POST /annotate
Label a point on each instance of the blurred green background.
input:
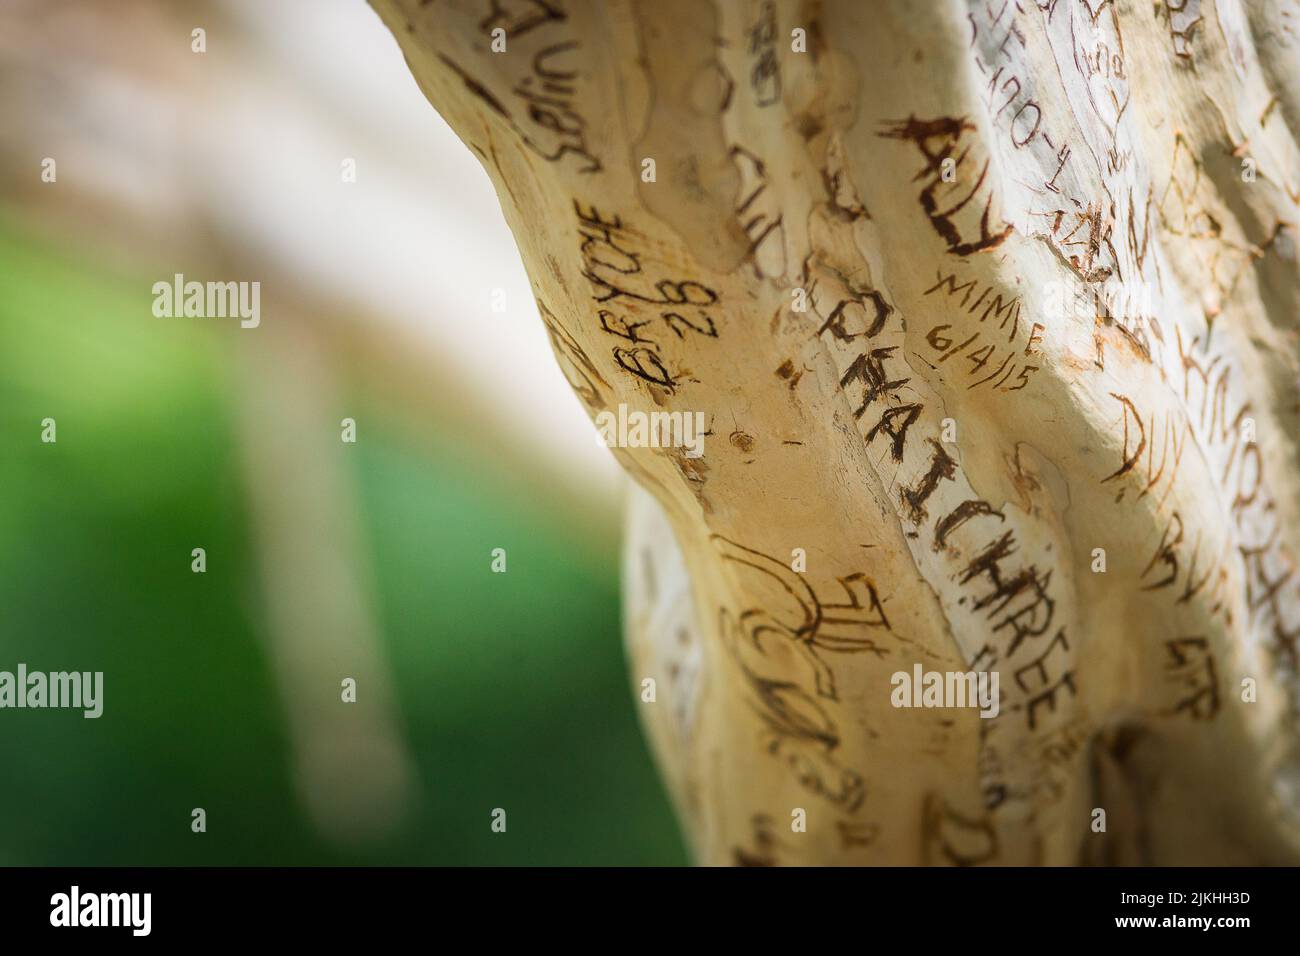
(507, 690)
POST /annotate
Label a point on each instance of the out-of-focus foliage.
(511, 689)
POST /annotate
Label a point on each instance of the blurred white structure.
(419, 236)
(250, 137)
(233, 159)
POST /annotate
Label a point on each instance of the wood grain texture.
(969, 294)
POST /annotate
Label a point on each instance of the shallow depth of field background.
(325, 560)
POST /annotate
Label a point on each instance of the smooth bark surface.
(991, 312)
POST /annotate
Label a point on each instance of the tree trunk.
(990, 311)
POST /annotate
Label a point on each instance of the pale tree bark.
(991, 311)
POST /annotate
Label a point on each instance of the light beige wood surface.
(977, 299)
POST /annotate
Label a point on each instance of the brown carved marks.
(943, 467)
(1089, 239)
(1002, 368)
(854, 835)
(1009, 595)
(1015, 598)
(1218, 418)
(760, 216)
(1098, 229)
(633, 303)
(1007, 375)
(689, 91)
(998, 48)
(951, 837)
(958, 516)
(761, 44)
(1226, 430)
(1103, 61)
(1142, 442)
(797, 711)
(1097, 53)
(805, 619)
(1151, 453)
(1005, 313)
(1081, 232)
(960, 205)
(519, 17)
(767, 848)
(1180, 559)
(844, 201)
(539, 100)
(1189, 208)
(1001, 602)
(1186, 563)
(1190, 669)
(1048, 676)
(857, 311)
(852, 317)
(578, 369)
(765, 844)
